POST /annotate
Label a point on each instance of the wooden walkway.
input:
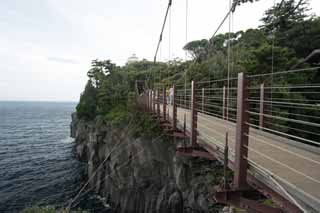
(295, 166)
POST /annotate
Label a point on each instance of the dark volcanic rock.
(140, 174)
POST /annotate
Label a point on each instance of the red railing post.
(203, 100)
(224, 102)
(164, 102)
(158, 103)
(174, 109)
(149, 101)
(144, 102)
(150, 94)
(242, 131)
(154, 101)
(262, 106)
(193, 115)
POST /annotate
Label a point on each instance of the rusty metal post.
(242, 131)
(194, 117)
(150, 100)
(164, 102)
(154, 101)
(224, 102)
(144, 102)
(158, 103)
(202, 100)
(225, 163)
(262, 106)
(147, 101)
(174, 109)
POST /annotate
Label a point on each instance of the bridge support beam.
(194, 115)
(242, 131)
(224, 102)
(262, 106)
(190, 152)
(158, 103)
(153, 101)
(150, 101)
(174, 109)
(147, 101)
(164, 102)
(202, 100)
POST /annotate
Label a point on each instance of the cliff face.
(140, 174)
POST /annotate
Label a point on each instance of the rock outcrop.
(143, 174)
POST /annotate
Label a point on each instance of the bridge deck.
(296, 165)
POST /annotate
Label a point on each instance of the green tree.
(87, 106)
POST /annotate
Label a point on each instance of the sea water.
(38, 165)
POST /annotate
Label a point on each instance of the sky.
(46, 46)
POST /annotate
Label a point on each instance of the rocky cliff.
(143, 174)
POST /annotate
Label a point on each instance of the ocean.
(38, 165)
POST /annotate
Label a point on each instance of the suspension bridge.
(263, 128)
(268, 143)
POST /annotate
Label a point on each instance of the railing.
(252, 110)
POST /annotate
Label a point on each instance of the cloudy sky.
(46, 46)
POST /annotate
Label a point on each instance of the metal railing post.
(202, 100)
(224, 102)
(147, 101)
(194, 116)
(150, 100)
(262, 106)
(174, 109)
(158, 103)
(154, 101)
(164, 102)
(242, 131)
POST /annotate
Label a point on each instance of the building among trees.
(132, 59)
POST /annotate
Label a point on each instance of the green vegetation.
(117, 115)
(147, 127)
(50, 209)
(288, 33)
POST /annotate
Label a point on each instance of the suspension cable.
(163, 25)
(232, 9)
(272, 49)
(185, 72)
(169, 39)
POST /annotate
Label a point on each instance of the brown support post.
(164, 102)
(149, 103)
(174, 109)
(154, 101)
(202, 100)
(144, 102)
(224, 102)
(262, 106)
(242, 130)
(158, 103)
(225, 163)
(194, 116)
